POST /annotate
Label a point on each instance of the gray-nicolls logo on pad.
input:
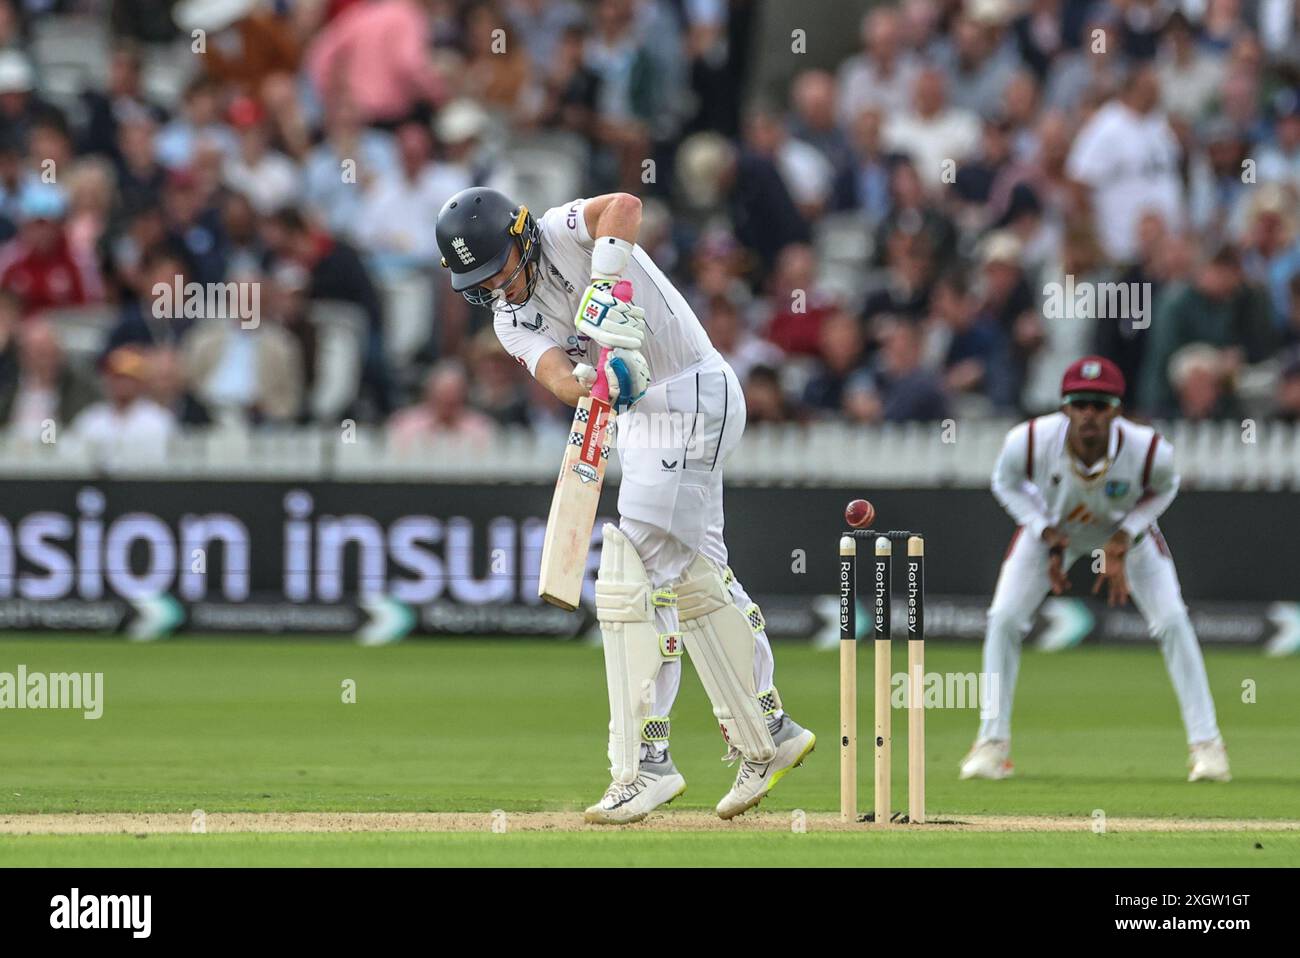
(458, 244)
(75, 911)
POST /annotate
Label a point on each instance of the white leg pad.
(634, 651)
(721, 641)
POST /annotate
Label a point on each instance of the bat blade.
(573, 507)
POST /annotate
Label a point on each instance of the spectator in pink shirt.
(443, 413)
(377, 53)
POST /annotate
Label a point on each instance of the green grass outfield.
(237, 725)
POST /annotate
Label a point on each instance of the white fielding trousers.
(1154, 589)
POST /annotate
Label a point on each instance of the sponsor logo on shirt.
(1115, 488)
(568, 287)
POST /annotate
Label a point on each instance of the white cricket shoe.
(987, 759)
(657, 783)
(756, 779)
(1209, 762)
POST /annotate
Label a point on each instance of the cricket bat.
(577, 491)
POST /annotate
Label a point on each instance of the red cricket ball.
(859, 514)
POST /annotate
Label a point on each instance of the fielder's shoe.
(1209, 762)
(987, 759)
(756, 779)
(657, 783)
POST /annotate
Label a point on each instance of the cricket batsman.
(1080, 482)
(663, 581)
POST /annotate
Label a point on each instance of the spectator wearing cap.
(126, 426)
(199, 122)
(1190, 74)
(376, 53)
(1221, 309)
(20, 105)
(443, 413)
(883, 75)
(933, 132)
(45, 390)
(267, 177)
(397, 215)
(246, 42)
(348, 161)
(124, 93)
(1009, 301)
(40, 264)
(1124, 162)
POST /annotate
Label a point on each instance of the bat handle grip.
(622, 291)
(600, 388)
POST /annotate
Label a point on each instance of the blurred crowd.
(932, 227)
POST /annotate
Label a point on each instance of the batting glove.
(628, 375)
(609, 322)
(585, 375)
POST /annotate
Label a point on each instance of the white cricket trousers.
(1153, 586)
(670, 496)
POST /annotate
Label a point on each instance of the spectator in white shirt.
(933, 133)
(398, 211)
(268, 178)
(126, 427)
(882, 76)
(1125, 162)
